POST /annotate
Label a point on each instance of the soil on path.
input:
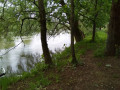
(96, 74)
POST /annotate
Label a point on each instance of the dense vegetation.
(88, 20)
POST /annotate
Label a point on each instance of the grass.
(5, 81)
(38, 69)
(54, 77)
(60, 60)
(101, 42)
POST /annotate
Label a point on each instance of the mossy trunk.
(113, 40)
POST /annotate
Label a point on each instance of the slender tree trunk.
(78, 34)
(94, 21)
(42, 15)
(74, 61)
(113, 40)
(94, 31)
(100, 28)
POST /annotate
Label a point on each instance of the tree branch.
(35, 4)
(10, 49)
(26, 18)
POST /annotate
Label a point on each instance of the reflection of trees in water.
(57, 50)
(9, 69)
(27, 62)
(20, 66)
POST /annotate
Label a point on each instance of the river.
(24, 56)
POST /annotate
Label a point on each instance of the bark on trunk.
(42, 15)
(113, 40)
(94, 30)
(74, 61)
(94, 21)
(78, 34)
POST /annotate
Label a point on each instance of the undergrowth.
(101, 42)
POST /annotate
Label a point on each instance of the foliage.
(5, 81)
(38, 69)
(18, 13)
(88, 12)
(99, 52)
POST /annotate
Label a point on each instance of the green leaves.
(102, 11)
(17, 10)
(115, 1)
(1, 1)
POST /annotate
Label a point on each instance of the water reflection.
(23, 58)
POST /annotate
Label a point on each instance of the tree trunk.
(78, 34)
(42, 15)
(94, 30)
(94, 21)
(100, 28)
(113, 40)
(74, 61)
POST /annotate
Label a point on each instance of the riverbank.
(94, 72)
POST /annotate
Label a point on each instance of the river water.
(24, 56)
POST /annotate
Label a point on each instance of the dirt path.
(94, 75)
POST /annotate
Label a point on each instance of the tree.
(98, 12)
(95, 14)
(113, 40)
(42, 16)
(27, 14)
(16, 15)
(78, 34)
(72, 25)
(94, 20)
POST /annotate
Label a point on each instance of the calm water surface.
(23, 57)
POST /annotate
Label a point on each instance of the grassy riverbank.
(63, 75)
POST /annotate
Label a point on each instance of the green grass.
(60, 60)
(55, 77)
(5, 81)
(38, 69)
(101, 43)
